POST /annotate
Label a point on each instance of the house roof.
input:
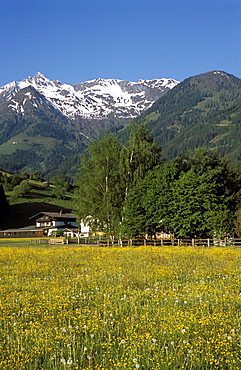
(64, 217)
(55, 215)
(26, 228)
(33, 228)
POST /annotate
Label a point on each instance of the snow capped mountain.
(95, 99)
(28, 96)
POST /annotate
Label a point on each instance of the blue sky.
(79, 40)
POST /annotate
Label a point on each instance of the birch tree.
(99, 193)
(142, 155)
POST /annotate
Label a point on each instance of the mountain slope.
(35, 135)
(204, 110)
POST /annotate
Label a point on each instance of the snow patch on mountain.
(94, 99)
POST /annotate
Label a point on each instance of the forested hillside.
(203, 110)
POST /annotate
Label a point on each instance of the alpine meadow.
(137, 164)
(119, 308)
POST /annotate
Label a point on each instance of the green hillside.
(203, 110)
(39, 197)
(35, 136)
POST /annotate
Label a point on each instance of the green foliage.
(196, 195)
(57, 233)
(195, 205)
(99, 187)
(108, 172)
(238, 223)
(204, 110)
(141, 155)
(20, 190)
(60, 188)
(36, 176)
(11, 181)
(147, 205)
(129, 190)
(135, 213)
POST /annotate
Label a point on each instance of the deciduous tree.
(142, 155)
(99, 191)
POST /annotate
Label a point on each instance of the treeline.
(130, 190)
(55, 160)
(21, 184)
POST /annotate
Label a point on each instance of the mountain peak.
(203, 110)
(214, 80)
(96, 99)
(39, 75)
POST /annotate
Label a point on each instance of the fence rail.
(105, 242)
(165, 242)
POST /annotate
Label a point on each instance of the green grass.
(146, 308)
(153, 116)
(24, 142)
(5, 173)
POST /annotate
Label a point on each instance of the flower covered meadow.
(69, 307)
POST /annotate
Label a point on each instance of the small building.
(164, 235)
(46, 224)
(84, 229)
(56, 223)
(53, 219)
(27, 232)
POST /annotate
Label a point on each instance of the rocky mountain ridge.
(95, 99)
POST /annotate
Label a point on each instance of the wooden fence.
(157, 242)
(140, 242)
(163, 242)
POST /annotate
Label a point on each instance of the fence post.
(208, 243)
(193, 242)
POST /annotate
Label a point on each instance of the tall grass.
(128, 308)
